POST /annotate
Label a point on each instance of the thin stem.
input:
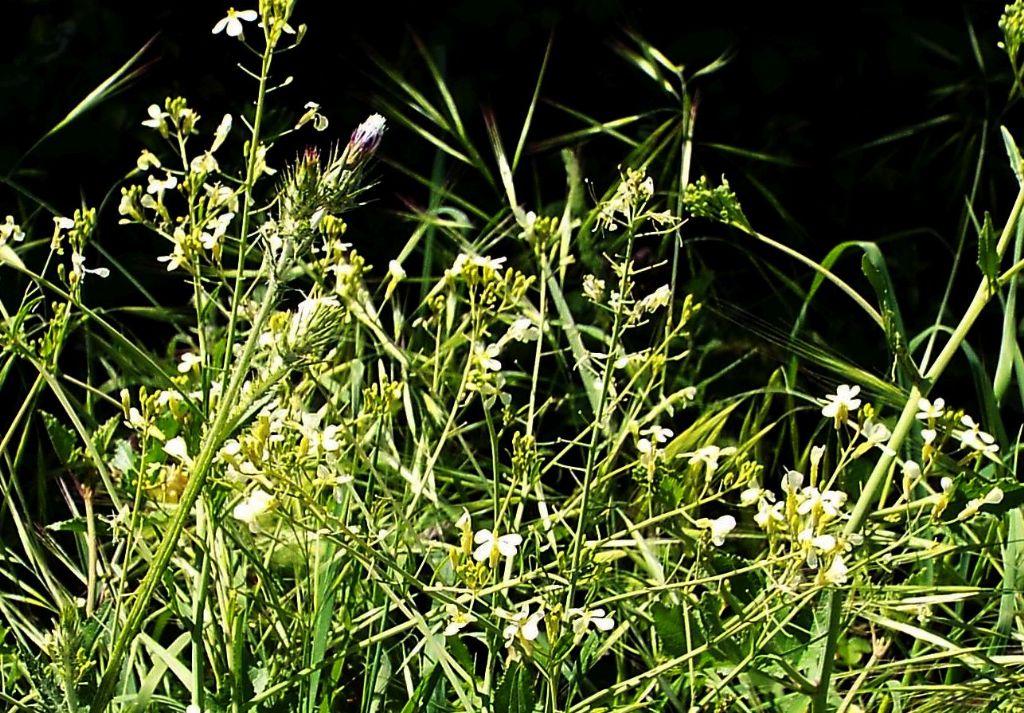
(219, 429)
(881, 470)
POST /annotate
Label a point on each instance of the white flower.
(157, 118)
(79, 269)
(485, 356)
(836, 572)
(754, 494)
(457, 619)
(930, 410)
(395, 271)
(522, 330)
(10, 231)
(582, 618)
(976, 439)
(189, 362)
(203, 163)
(841, 404)
(828, 503)
(768, 513)
(193, 708)
(147, 161)
(992, 497)
(709, 455)
(911, 470)
(488, 263)
(313, 114)
(232, 23)
(661, 297)
(593, 288)
(524, 625)
(792, 482)
(177, 449)
(491, 547)
(158, 187)
(176, 259)
(252, 508)
(659, 434)
(719, 527)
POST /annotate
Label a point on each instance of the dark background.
(818, 94)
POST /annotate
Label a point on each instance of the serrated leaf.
(64, 440)
(988, 256)
(124, 457)
(515, 693)
(75, 524)
(668, 623)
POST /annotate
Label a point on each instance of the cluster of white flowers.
(487, 548)
(633, 192)
(803, 518)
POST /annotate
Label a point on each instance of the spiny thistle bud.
(365, 140)
(313, 326)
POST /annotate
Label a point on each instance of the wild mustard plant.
(497, 483)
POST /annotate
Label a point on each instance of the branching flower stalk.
(880, 472)
(225, 416)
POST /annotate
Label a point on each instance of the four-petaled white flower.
(709, 455)
(158, 187)
(719, 527)
(490, 547)
(658, 434)
(157, 118)
(974, 438)
(189, 362)
(522, 329)
(232, 22)
(836, 572)
(457, 619)
(841, 404)
(582, 618)
(524, 625)
(252, 508)
(485, 356)
(930, 410)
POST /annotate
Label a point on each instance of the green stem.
(250, 179)
(588, 474)
(881, 470)
(219, 430)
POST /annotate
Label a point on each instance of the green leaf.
(124, 456)
(668, 622)
(7, 254)
(65, 442)
(988, 256)
(1014, 154)
(515, 693)
(1013, 571)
